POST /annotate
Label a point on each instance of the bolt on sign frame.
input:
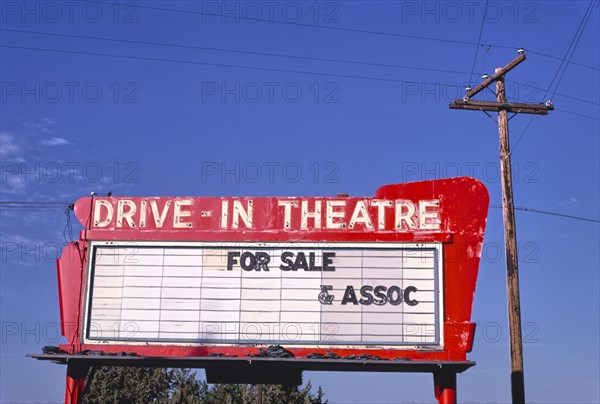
(342, 283)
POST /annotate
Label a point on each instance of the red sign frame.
(454, 214)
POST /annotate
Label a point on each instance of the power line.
(189, 62)
(320, 59)
(522, 134)
(559, 110)
(478, 41)
(307, 25)
(559, 94)
(544, 212)
(572, 45)
(558, 58)
(578, 31)
(577, 114)
(487, 50)
(33, 210)
(253, 68)
(345, 29)
(118, 40)
(33, 203)
(30, 206)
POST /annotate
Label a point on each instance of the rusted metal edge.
(251, 362)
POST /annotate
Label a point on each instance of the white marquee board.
(186, 293)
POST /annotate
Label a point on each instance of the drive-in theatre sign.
(333, 283)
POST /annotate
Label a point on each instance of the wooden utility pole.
(512, 265)
(510, 231)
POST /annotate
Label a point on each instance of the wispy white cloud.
(42, 129)
(8, 147)
(11, 155)
(32, 252)
(12, 184)
(55, 141)
(44, 123)
(16, 238)
(34, 125)
(568, 202)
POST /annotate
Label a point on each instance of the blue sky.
(177, 101)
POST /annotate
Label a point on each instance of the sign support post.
(510, 232)
(75, 388)
(444, 382)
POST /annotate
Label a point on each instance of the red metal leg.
(75, 383)
(445, 386)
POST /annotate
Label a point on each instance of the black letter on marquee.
(262, 261)
(231, 261)
(390, 295)
(366, 299)
(300, 262)
(349, 295)
(328, 260)
(407, 298)
(380, 293)
(285, 257)
(245, 256)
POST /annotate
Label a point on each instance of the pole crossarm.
(502, 71)
(516, 107)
